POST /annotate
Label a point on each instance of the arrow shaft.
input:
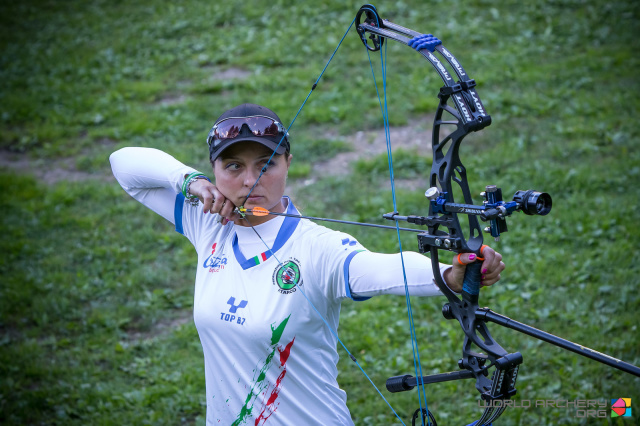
(347, 222)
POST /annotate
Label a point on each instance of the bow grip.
(472, 282)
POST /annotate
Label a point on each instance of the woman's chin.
(256, 201)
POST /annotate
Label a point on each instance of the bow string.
(244, 213)
(444, 231)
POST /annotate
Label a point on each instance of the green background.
(96, 292)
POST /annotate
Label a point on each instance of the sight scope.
(532, 202)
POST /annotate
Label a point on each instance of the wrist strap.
(187, 182)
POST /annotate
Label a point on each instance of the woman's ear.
(289, 160)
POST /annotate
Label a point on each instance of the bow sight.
(493, 210)
(444, 231)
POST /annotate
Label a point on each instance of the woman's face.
(238, 168)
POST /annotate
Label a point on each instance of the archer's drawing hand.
(213, 200)
(492, 266)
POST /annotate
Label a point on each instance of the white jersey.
(269, 356)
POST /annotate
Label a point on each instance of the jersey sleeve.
(150, 176)
(154, 178)
(351, 271)
(334, 252)
(372, 274)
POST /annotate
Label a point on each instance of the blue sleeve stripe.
(177, 213)
(347, 289)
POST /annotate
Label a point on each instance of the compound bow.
(448, 175)
(445, 232)
(469, 115)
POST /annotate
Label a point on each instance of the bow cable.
(385, 115)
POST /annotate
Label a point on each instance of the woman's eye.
(232, 166)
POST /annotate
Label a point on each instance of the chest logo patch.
(215, 263)
(233, 309)
(287, 276)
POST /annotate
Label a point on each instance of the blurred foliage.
(96, 293)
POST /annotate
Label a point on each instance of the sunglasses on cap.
(230, 128)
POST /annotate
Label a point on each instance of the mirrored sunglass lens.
(228, 129)
(259, 126)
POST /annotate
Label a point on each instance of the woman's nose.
(250, 177)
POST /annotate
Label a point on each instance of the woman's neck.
(259, 237)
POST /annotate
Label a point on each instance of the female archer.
(268, 288)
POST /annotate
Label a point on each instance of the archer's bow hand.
(492, 266)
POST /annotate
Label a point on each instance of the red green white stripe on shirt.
(260, 258)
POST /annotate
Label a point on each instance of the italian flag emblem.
(260, 258)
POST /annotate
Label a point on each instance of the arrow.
(261, 211)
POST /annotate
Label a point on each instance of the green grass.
(96, 293)
(409, 164)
